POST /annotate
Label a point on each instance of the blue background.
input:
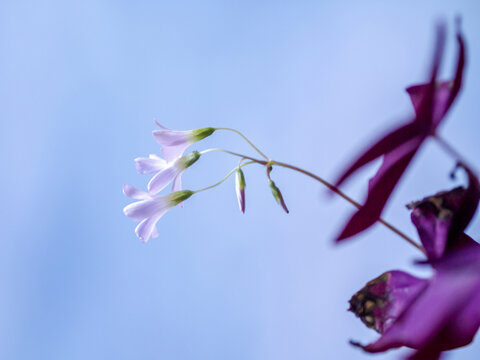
(310, 82)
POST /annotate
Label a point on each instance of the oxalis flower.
(175, 142)
(150, 208)
(431, 102)
(436, 314)
(165, 171)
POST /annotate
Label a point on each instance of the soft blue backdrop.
(311, 82)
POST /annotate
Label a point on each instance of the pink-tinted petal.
(167, 137)
(384, 145)
(162, 179)
(173, 152)
(146, 228)
(381, 187)
(177, 185)
(150, 165)
(134, 193)
(177, 182)
(146, 208)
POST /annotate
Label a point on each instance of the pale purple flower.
(240, 189)
(165, 171)
(150, 208)
(175, 142)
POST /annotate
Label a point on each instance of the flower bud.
(240, 189)
(277, 195)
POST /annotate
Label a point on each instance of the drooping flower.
(165, 171)
(175, 142)
(240, 189)
(150, 208)
(436, 314)
(431, 102)
(277, 195)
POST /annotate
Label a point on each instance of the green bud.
(240, 179)
(199, 134)
(189, 159)
(179, 196)
(277, 195)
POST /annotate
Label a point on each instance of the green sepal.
(189, 159)
(199, 134)
(179, 196)
(240, 179)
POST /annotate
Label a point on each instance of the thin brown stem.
(313, 176)
(350, 200)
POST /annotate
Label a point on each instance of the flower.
(240, 189)
(431, 102)
(150, 209)
(436, 314)
(175, 142)
(165, 171)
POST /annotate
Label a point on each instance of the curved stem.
(263, 162)
(350, 200)
(226, 176)
(248, 141)
(313, 176)
(453, 152)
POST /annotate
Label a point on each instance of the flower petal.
(134, 193)
(167, 137)
(177, 185)
(173, 152)
(162, 179)
(150, 165)
(146, 228)
(143, 209)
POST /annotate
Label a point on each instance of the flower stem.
(248, 141)
(350, 200)
(313, 176)
(453, 152)
(226, 176)
(262, 162)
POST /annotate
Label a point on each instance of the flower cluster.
(151, 206)
(428, 315)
